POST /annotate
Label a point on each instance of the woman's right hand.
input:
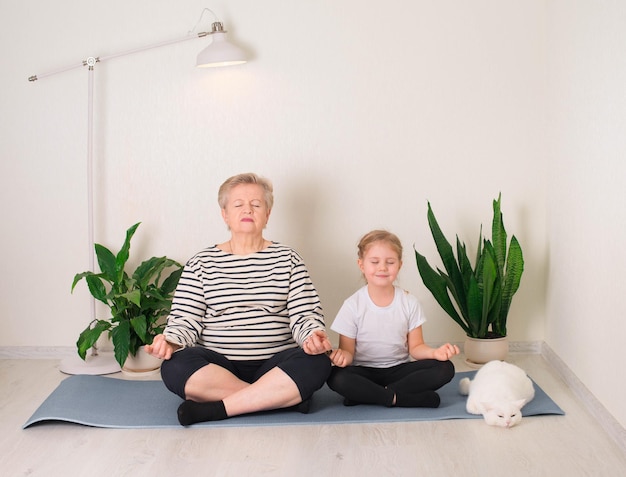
(161, 348)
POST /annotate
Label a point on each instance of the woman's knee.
(309, 372)
(174, 376)
(176, 371)
(319, 370)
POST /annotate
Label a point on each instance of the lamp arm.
(150, 47)
(59, 70)
(128, 52)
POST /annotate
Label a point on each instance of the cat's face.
(503, 415)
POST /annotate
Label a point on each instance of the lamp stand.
(98, 362)
(102, 362)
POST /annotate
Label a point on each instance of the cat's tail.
(464, 386)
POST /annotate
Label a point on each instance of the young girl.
(382, 358)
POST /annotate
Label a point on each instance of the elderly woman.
(246, 331)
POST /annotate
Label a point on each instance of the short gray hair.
(246, 178)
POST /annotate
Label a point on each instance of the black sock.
(422, 399)
(304, 407)
(191, 412)
(381, 397)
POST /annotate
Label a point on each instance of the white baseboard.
(606, 420)
(526, 347)
(36, 352)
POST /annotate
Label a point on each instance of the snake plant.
(138, 303)
(482, 295)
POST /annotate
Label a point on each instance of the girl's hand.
(445, 352)
(341, 358)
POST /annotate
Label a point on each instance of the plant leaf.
(106, 262)
(149, 269)
(139, 325)
(498, 236)
(464, 264)
(170, 283)
(474, 307)
(489, 280)
(121, 341)
(123, 254)
(438, 287)
(90, 335)
(96, 288)
(78, 277)
(134, 296)
(512, 278)
(449, 262)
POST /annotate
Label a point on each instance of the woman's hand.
(317, 343)
(161, 348)
(445, 352)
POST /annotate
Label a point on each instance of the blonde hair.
(379, 236)
(246, 178)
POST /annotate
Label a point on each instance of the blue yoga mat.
(116, 403)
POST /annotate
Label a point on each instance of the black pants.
(308, 372)
(362, 384)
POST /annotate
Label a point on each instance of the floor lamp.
(218, 53)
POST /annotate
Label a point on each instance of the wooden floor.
(571, 445)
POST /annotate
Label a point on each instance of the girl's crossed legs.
(411, 384)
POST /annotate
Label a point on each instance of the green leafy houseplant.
(482, 294)
(138, 303)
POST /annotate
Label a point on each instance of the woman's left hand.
(317, 343)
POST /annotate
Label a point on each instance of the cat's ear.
(519, 403)
(487, 406)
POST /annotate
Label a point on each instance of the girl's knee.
(447, 370)
(334, 379)
(339, 380)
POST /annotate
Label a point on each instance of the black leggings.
(362, 384)
(307, 371)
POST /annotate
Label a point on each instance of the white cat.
(498, 392)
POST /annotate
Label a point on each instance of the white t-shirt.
(380, 332)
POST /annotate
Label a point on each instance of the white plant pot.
(142, 364)
(481, 351)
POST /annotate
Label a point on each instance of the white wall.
(587, 198)
(359, 112)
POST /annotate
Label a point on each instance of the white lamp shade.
(220, 53)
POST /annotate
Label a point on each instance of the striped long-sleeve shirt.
(245, 307)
